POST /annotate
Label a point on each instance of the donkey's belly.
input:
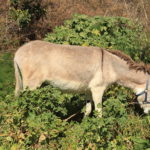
(69, 85)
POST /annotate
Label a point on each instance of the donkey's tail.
(19, 81)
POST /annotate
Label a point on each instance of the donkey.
(86, 70)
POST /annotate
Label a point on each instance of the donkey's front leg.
(97, 94)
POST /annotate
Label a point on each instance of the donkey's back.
(71, 68)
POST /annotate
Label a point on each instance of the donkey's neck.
(129, 77)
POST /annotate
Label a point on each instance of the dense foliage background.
(25, 20)
(108, 32)
(42, 119)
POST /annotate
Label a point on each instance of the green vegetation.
(38, 120)
(26, 12)
(41, 119)
(6, 75)
(108, 32)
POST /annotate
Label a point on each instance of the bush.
(38, 120)
(108, 32)
(26, 12)
(24, 16)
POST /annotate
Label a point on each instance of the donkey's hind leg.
(17, 88)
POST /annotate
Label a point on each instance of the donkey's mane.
(132, 65)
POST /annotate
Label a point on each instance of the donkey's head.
(144, 97)
(136, 76)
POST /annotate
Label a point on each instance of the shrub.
(108, 32)
(26, 12)
(24, 16)
(38, 120)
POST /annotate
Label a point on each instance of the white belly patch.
(68, 85)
